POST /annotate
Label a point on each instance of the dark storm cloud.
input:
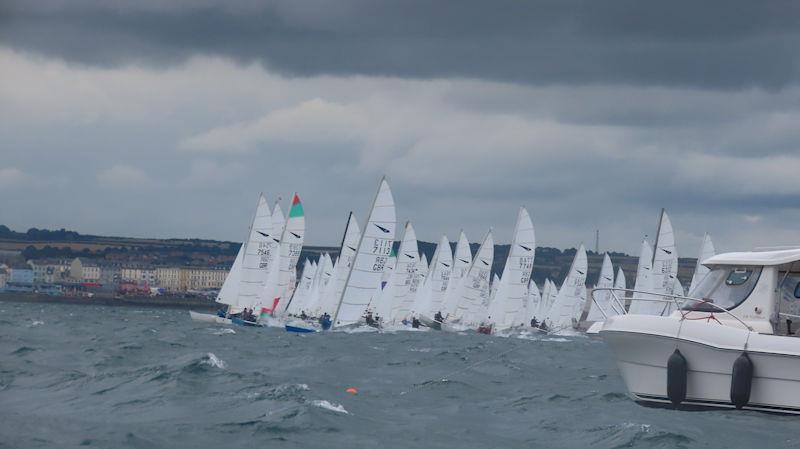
(712, 44)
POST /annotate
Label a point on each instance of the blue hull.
(299, 330)
(242, 322)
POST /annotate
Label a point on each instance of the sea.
(121, 377)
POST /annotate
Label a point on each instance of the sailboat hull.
(643, 344)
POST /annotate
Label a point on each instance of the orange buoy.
(351, 390)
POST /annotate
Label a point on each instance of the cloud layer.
(157, 119)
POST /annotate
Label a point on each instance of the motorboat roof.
(757, 258)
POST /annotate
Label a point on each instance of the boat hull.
(203, 317)
(433, 324)
(300, 329)
(643, 344)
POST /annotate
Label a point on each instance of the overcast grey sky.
(165, 119)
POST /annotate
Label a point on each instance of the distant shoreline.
(169, 302)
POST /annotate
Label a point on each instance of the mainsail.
(347, 252)
(474, 288)
(700, 270)
(258, 257)
(431, 293)
(562, 314)
(373, 252)
(600, 308)
(665, 258)
(461, 261)
(644, 283)
(229, 293)
(404, 276)
(513, 290)
(291, 245)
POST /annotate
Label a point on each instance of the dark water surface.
(85, 376)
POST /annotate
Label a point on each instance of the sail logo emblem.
(580, 272)
(297, 236)
(351, 248)
(385, 231)
(265, 235)
(485, 262)
(525, 247)
(666, 251)
(409, 256)
(465, 261)
(446, 265)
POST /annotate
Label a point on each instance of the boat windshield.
(725, 287)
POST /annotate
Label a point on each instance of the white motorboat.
(732, 345)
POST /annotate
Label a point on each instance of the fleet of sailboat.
(377, 283)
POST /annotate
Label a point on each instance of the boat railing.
(666, 298)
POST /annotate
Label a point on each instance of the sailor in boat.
(534, 322)
(377, 319)
(325, 321)
(247, 315)
(415, 322)
(369, 319)
(438, 317)
(543, 326)
(303, 315)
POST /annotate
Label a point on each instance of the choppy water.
(78, 376)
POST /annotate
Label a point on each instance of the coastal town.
(86, 277)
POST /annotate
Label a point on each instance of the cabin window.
(724, 287)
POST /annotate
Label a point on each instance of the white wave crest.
(223, 331)
(37, 323)
(328, 406)
(212, 360)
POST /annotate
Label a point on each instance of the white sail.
(431, 294)
(258, 256)
(513, 291)
(347, 252)
(644, 283)
(534, 303)
(422, 273)
(474, 289)
(600, 308)
(562, 314)
(405, 275)
(303, 290)
(373, 252)
(665, 258)
(278, 219)
(322, 281)
(700, 270)
(461, 261)
(544, 305)
(291, 245)
(229, 293)
(494, 286)
(620, 284)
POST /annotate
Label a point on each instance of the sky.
(167, 118)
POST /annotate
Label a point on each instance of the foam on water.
(329, 406)
(211, 359)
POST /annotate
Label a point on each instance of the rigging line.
(446, 377)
